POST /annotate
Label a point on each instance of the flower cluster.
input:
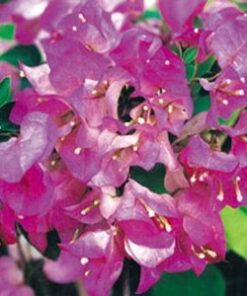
(115, 93)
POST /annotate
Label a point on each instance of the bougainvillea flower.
(39, 78)
(228, 93)
(211, 160)
(216, 163)
(219, 170)
(7, 224)
(238, 134)
(219, 13)
(138, 38)
(26, 16)
(98, 99)
(109, 202)
(230, 191)
(84, 151)
(123, 13)
(87, 211)
(28, 101)
(216, 14)
(118, 94)
(175, 179)
(229, 47)
(118, 162)
(141, 215)
(55, 12)
(145, 142)
(203, 229)
(129, 7)
(179, 14)
(148, 143)
(91, 25)
(76, 68)
(199, 237)
(167, 96)
(101, 260)
(67, 192)
(195, 125)
(169, 88)
(39, 134)
(27, 29)
(32, 195)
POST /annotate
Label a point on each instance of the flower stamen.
(193, 178)
(77, 150)
(86, 210)
(87, 272)
(209, 252)
(220, 195)
(84, 261)
(237, 189)
(82, 18)
(198, 254)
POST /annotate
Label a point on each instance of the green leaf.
(24, 83)
(177, 50)
(151, 14)
(205, 67)
(153, 179)
(7, 128)
(235, 222)
(5, 112)
(7, 31)
(242, 6)
(5, 91)
(202, 104)
(190, 55)
(190, 72)
(195, 89)
(197, 22)
(210, 283)
(130, 275)
(231, 120)
(52, 251)
(26, 54)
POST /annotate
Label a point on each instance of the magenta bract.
(129, 139)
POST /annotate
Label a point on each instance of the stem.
(208, 78)
(22, 260)
(81, 290)
(126, 286)
(128, 280)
